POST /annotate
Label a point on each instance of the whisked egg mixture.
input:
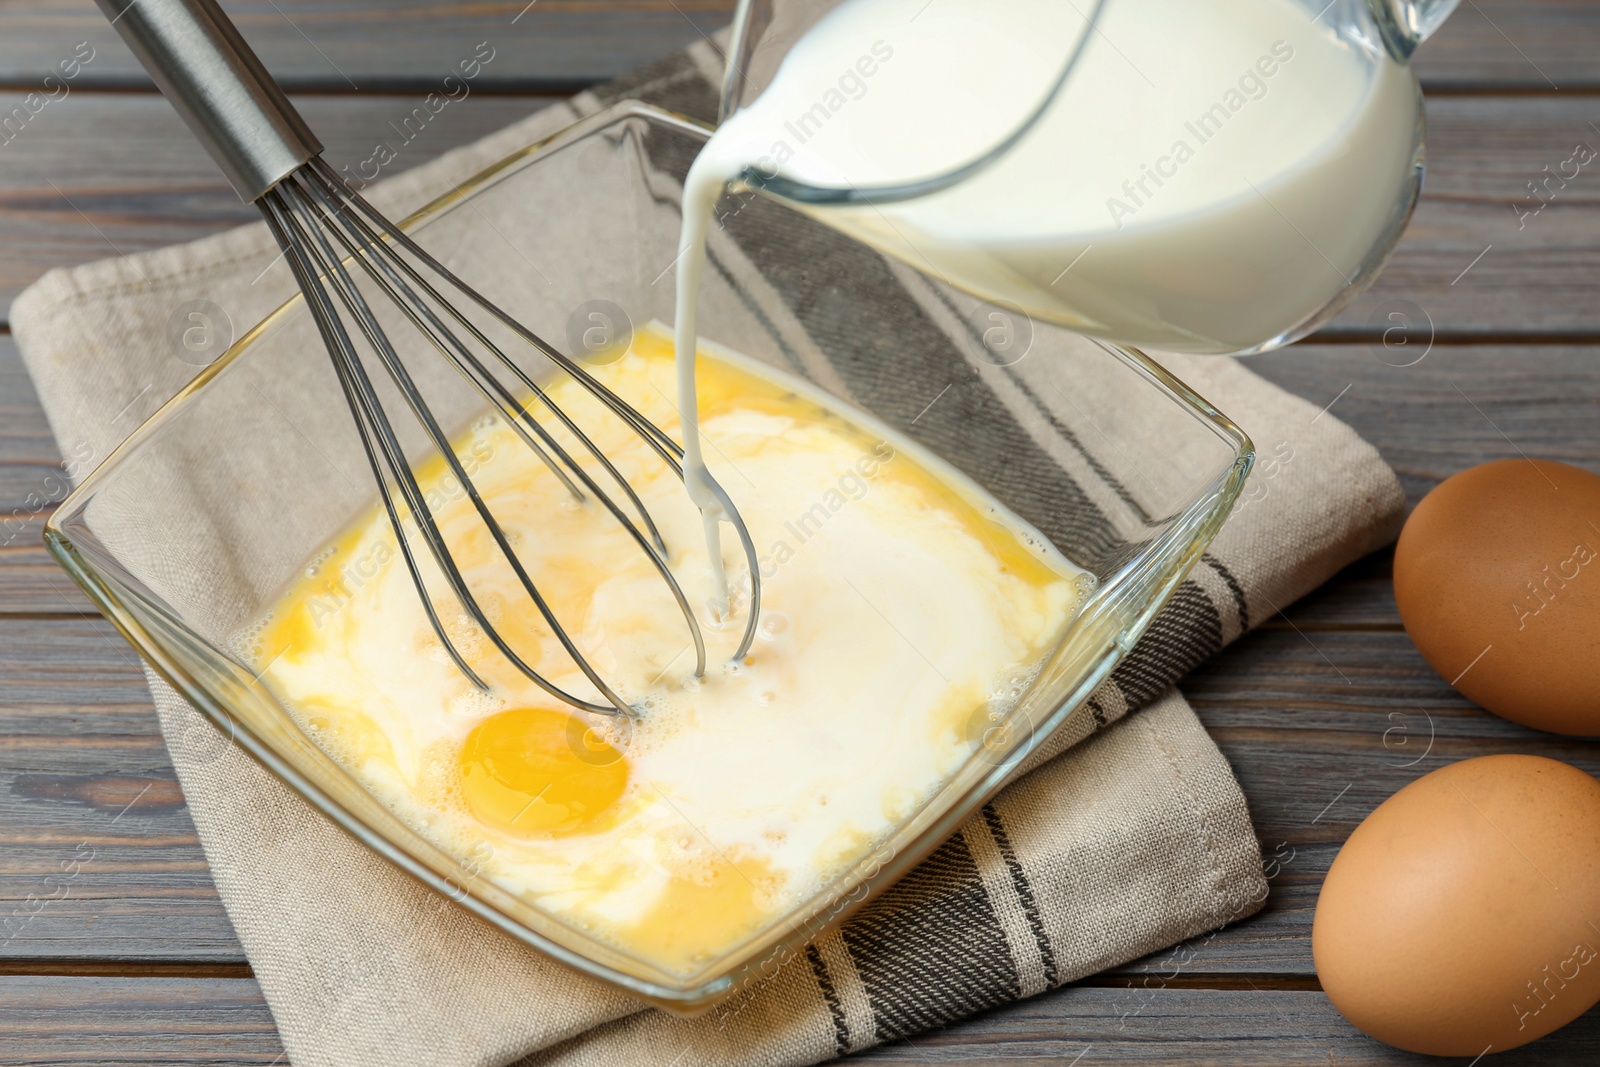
(902, 610)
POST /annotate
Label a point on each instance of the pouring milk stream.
(1209, 177)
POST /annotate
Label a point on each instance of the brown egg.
(1497, 576)
(1463, 915)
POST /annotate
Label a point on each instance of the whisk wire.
(462, 358)
(669, 450)
(457, 353)
(305, 234)
(356, 391)
(313, 210)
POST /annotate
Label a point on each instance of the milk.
(1210, 177)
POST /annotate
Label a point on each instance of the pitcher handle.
(1407, 23)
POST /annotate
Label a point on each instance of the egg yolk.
(536, 772)
(730, 898)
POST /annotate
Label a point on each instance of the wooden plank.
(31, 480)
(346, 45)
(30, 581)
(1457, 406)
(25, 438)
(72, 190)
(1170, 1027)
(24, 433)
(98, 858)
(1279, 704)
(116, 1021)
(68, 194)
(1469, 262)
(1532, 44)
(50, 1020)
(1514, 44)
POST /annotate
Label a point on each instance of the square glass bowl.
(189, 533)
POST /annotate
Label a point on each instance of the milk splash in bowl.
(904, 611)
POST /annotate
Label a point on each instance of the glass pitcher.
(1217, 176)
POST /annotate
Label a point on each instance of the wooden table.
(136, 962)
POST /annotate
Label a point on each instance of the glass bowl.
(187, 534)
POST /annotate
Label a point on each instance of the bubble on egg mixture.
(439, 785)
(1013, 687)
(598, 740)
(992, 731)
(658, 727)
(314, 564)
(773, 625)
(471, 704)
(245, 643)
(464, 632)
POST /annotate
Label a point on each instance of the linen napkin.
(1125, 835)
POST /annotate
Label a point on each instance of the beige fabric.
(1131, 841)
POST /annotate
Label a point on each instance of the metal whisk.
(331, 237)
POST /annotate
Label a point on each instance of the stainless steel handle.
(209, 74)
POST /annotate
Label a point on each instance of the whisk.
(330, 237)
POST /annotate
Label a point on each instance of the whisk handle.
(214, 80)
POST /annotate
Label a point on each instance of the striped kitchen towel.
(1124, 835)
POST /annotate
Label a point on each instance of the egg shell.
(1497, 578)
(1463, 914)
